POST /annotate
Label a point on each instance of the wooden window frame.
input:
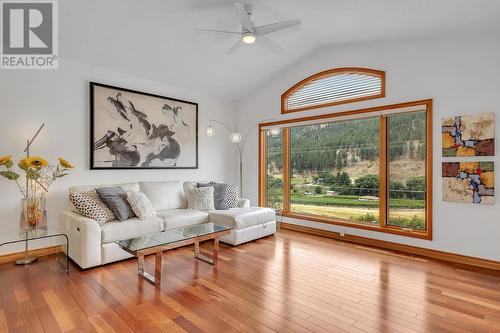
(383, 226)
(333, 72)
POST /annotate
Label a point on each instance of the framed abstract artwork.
(468, 135)
(469, 182)
(135, 130)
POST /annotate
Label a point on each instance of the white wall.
(60, 99)
(462, 76)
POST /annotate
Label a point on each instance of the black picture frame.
(93, 86)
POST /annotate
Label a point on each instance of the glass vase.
(33, 214)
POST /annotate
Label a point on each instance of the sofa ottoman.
(248, 223)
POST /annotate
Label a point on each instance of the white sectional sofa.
(92, 245)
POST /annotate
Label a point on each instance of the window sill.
(427, 235)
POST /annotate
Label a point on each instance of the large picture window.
(367, 168)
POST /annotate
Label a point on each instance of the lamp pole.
(236, 139)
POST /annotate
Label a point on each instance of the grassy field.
(352, 201)
(408, 213)
(408, 218)
(345, 201)
(341, 213)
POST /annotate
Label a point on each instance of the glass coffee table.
(159, 242)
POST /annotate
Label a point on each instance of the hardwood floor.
(293, 282)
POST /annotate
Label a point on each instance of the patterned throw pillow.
(88, 207)
(201, 198)
(233, 193)
(141, 205)
(92, 194)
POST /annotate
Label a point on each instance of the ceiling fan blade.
(219, 31)
(235, 47)
(268, 28)
(269, 44)
(243, 15)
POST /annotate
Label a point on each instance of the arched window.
(332, 87)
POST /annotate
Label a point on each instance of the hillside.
(400, 170)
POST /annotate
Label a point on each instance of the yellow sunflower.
(65, 164)
(24, 163)
(33, 162)
(4, 160)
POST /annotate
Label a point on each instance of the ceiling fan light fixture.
(249, 38)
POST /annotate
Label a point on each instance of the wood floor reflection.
(289, 283)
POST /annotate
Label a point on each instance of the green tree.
(318, 189)
(367, 185)
(343, 179)
(327, 177)
(416, 187)
(397, 189)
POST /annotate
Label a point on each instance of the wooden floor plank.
(59, 311)
(293, 282)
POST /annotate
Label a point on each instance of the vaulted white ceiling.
(156, 39)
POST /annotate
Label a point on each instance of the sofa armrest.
(242, 202)
(84, 236)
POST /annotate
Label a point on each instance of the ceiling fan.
(250, 33)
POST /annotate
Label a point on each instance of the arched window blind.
(332, 87)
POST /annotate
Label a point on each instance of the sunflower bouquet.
(39, 176)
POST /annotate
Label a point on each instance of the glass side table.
(14, 237)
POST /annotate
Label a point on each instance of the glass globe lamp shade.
(235, 137)
(210, 131)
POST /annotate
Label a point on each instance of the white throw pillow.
(201, 198)
(141, 205)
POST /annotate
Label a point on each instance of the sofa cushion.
(141, 205)
(116, 199)
(220, 195)
(85, 188)
(165, 195)
(201, 199)
(88, 207)
(233, 193)
(241, 218)
(178, 218)
(115, 230)
(92, 194)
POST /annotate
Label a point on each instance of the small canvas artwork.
(136, 130)
(469, 135)
(469, 182)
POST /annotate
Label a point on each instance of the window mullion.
(262, 168)
(383, 195)
(286, 170)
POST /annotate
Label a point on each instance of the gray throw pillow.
(116, 199)
(220, 195)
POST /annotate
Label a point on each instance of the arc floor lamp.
(236, 138)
